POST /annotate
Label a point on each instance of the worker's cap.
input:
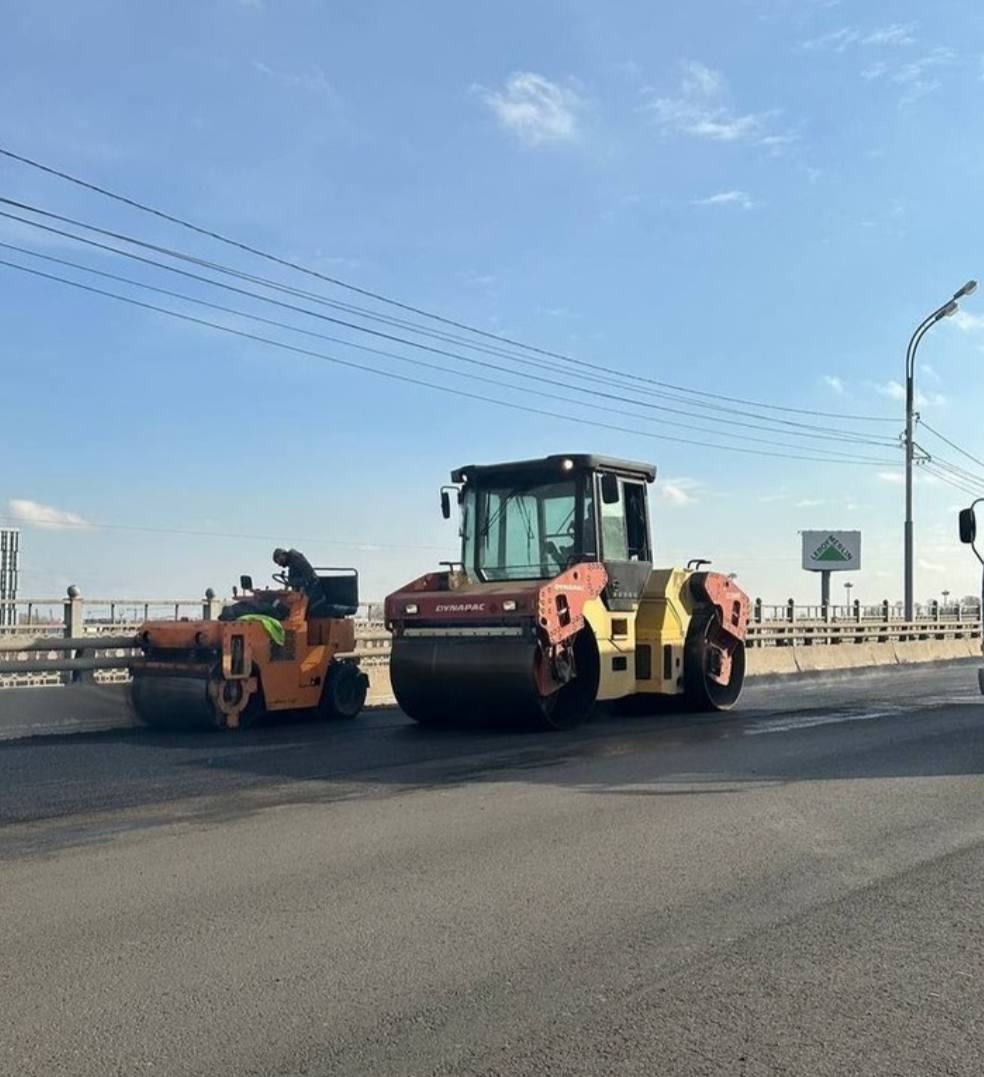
(280, 555)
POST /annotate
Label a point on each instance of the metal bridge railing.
(58, 641)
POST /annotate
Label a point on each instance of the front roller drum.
(713, 664)
(446, 680)
(191, 702)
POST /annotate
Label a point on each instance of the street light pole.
(948, 308)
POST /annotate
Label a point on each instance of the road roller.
(555, 606)
(271, 650)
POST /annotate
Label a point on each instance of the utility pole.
(948, 308)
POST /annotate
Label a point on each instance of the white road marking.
(809, 720)
(786, 725)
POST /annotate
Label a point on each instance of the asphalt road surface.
(796, 888)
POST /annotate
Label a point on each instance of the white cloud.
(835, 383)
(930, 372)
(678, 491)
(921, 77)
(727, 198)
(894, 35)
(894, 390)
(534, 109)
(898, 477)
(969, 323)
(45, 516)
(835, 41)
(809, 503)
(874, 71)
(313, 80)
(930, 566)
(898, 33)
(701, 80)
(700, 110)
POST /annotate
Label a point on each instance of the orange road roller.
(555, 605)
(271, 650)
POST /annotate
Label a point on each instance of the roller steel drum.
(174, 702)
(446, 680)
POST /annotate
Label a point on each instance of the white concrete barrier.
(74, 708)
(770, 661)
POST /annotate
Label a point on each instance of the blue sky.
(757, 198)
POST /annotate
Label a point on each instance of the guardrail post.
(74, 613)
(757, 611)
(212, 606)
(75, 627)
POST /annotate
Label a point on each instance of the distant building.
(9, 557)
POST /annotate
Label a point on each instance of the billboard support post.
(825, 592)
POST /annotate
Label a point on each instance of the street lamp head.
(950, 309)
(968, 289)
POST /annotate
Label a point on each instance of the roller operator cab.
(555, 604)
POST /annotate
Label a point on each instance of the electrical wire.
(956, 484)
(955, 471)
(512, 405)
(379, 297)
(825, 433)
(953, 445)
(84, 525)
(433, 366)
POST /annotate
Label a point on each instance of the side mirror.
(445, 505)
(609, 488)
(968, 526)
(246, 583)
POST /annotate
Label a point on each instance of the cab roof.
(558, 463)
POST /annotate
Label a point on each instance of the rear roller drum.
(705, 658)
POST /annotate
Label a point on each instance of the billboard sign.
(831, 551)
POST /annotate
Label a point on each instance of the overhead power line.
(422, 382)
(410, 308)
(730, 411)
(955, 470)
(953, 445)
(85, 525)
(955, 483)
(434, 366)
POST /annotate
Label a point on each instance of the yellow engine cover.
(641, 650)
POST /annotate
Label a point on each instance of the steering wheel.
(281, 578)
